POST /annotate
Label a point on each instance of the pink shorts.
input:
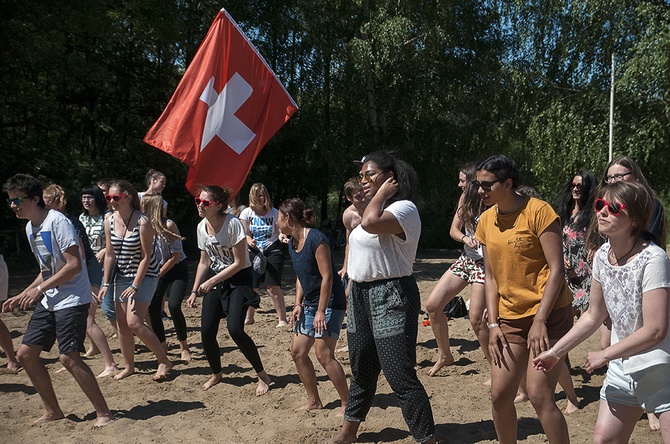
(468, 269)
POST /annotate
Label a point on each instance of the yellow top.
(519, 267)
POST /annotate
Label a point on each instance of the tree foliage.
(443, 82)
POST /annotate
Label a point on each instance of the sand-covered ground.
(179, 411)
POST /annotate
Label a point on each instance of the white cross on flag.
(225, 109)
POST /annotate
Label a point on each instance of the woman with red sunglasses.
(631, 286)
(223, 277)
(131, 270)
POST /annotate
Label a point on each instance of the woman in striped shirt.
(132, 271)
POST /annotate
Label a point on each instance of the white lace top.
(623, 289)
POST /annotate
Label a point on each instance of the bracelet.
(299, 305)
(195, 292)
(105, 285)
(493, 325)
(463, 237)
(133, 287)
(553, 353)
(40, 290)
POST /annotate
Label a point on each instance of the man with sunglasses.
(65, 294)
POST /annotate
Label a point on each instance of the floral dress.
(577, 265)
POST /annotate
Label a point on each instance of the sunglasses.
(367, 176)
(576, 186)
(205, 203)
(613, 208)
(16, 201)
(114, 197)
(616, 177)
(486, 185)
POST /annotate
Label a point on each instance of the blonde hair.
(153, 208)
(56, 195)
(253, 201)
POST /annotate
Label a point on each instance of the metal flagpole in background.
(611, 111)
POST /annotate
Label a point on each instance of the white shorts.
(648, 388)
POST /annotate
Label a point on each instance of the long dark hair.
(472, 206)
(404, 174)
(564, 203)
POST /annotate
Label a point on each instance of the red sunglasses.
(114, 197)
(613, 208)
(205, 203)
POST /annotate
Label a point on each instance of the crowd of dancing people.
(595, 254)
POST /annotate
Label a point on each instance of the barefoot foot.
(91, 352)
(249, 321)
(521, 397)
(186, 355)
(441, 362)
(13, 367)
(60, 370)
(342, 438)
(281, 324)
(163, 370)
(108, 371)
(104, 420)
(263, 385)
(213, 380)
(316, 405)
(124, 373)
(571, 407)
(344, 349)
(50, 416)
(654, 423)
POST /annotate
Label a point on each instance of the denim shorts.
(648, 388)
(334, 320)
(145, 292)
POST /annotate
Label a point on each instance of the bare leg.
(325, 353)
(303, 364)
(565, 380)
(29, 357)
(136, 313)
(126, 342)
(84, 376)
(99, 340)
(8, 346)
(504, 383)
(615, 422)
(277, 297)
(541, 392)
(522, 395)
(446, 288)
(477, 306)
(251, 313)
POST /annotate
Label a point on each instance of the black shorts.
(67, 325)
(274, 267)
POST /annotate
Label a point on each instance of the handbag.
(456, 308)
(258, 261)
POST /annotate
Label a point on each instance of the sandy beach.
(178, 410)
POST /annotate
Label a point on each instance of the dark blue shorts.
(67, 325)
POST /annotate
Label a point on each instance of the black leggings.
(174, 282)
(231, 302)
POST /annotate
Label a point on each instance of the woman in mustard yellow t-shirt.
(528, 302)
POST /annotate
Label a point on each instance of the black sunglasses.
(485, 185)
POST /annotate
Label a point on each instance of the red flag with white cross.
(227, 106)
